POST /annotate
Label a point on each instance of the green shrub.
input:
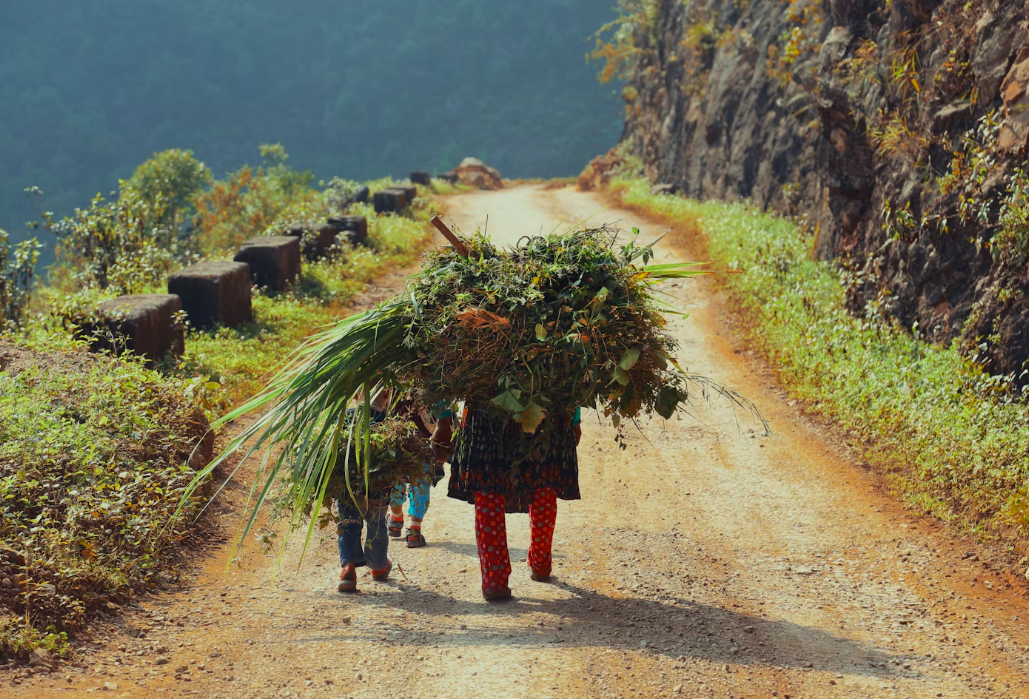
(951, 439)
(93, 459)
(173, 177)
(17, 273)
(252, 202)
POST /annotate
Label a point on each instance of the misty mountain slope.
(357, 88)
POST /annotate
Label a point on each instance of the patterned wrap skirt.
(493, 455)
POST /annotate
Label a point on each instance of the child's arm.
(442, 437)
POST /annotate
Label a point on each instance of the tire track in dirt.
(705, 560)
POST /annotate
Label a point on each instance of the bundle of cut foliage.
(561, 321)
(398, 451)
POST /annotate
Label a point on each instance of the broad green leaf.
(667, 402)
(661, 360)
(629, 359)
(507, 401)
(531, 417)
(541, 332)
(620, 376)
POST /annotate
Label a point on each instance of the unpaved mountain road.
(706, 560)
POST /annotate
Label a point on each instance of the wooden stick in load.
(461, 248)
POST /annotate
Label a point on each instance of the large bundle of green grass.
(559, 322)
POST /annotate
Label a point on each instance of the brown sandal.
(497, 594)
(347, 580)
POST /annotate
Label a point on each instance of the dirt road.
(706, 560)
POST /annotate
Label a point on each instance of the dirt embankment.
(705, 560)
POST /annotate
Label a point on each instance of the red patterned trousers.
(491, 536)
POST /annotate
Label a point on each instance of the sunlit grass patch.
(949, 442)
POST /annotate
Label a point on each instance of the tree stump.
(411, 192)
(421, 178)
(355, 228)
(214, 293)
(144, 324)
(274, 260)
(327, 233)
(389, 200)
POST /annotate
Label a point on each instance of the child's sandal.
(415, 540)
(394, 526)
(347, 580)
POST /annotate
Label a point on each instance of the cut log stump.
(214, 293)
(274, 260)
(421, 178)
(354, 228)
(410, 191)
(327, 233)
(390, 200)
(144, 324)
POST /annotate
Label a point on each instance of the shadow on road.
(671, 627)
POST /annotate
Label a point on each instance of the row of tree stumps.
(218, 293)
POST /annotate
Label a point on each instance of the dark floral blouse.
(493, 455)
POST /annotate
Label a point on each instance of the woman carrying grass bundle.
(499, 468)
(522, 336)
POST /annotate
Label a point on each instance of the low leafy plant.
(17, 274)
(94, 457)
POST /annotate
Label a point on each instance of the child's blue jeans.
(373, 552)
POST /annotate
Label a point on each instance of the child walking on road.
(373, 552)
(417, 493)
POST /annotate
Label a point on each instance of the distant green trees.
(356, 88)
(17, 273)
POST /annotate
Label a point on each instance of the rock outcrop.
(475, 173)
(896, 127)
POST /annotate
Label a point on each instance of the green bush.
(174, 177)
(93, 459)
(951, 439)
(17, 273)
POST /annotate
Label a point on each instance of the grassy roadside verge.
(948, 440)
(95, 451)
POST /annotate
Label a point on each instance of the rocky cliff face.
(899, 126)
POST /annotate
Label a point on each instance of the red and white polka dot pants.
(491, 536)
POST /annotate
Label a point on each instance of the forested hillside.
(358, 88)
